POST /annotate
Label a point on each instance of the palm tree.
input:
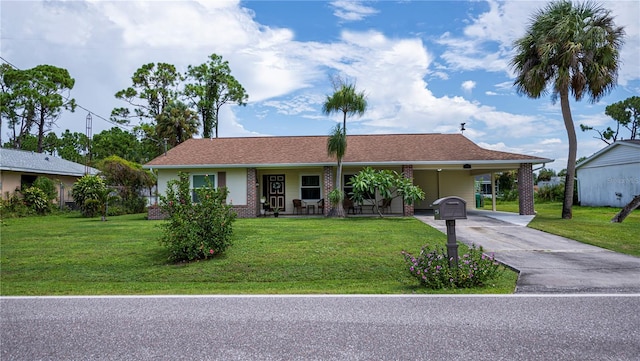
(337, 147)
(347, 100)
(177, 123)
(568, 49)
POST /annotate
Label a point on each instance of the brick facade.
(155, 213)
(525, 189)
(328, 187)
(407, 172)
(251, 209)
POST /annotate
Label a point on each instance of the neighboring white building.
(610, 177)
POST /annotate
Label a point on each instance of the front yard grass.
(591, 225)
(70, 255)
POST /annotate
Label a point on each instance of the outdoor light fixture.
(467, 166)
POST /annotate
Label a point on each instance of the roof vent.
(46, 158)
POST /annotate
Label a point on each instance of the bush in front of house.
(48, 186)
(128, 179)
(195, 231)
(431, 268)
(86, 192)
(14, 206)
(37, 200)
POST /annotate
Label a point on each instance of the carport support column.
(525, 189)
(328, 187)
(408, 209)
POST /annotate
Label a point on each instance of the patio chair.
(298, 207)
(320, 206)
(349, 206)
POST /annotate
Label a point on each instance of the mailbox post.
(449, 209)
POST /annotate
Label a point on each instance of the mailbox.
(450, 208)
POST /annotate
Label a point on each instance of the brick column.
(525, 189)
(155, 212)
(252, 193)
(408, 209)
(328, 187)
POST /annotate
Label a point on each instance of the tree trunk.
(338, 210)
(41, 130)
(624, 212)
(344, 125)
(571, 159)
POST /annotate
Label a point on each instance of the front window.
(27, 180)
(201, 181)
(310, 187)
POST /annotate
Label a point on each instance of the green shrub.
(553, 193)
(87, 192)
(14, 206)
(37, 200)
(91, 207)
(336, 196)
(133, 204)
(509, 195)
(116, 210)
(128, 179)
(432, 269)
(195, 230)
(47, 186)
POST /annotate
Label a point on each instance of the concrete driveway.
(546, 262)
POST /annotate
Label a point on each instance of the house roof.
(426, 149)
(31, 162)
(633, 143)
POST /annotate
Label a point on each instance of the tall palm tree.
(568, 48)
(337, 147)
(347, 100)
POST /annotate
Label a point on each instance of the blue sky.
(426, 66)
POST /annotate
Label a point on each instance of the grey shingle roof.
(32, 162)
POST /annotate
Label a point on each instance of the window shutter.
(222, 179)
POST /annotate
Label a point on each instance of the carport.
(457, 178)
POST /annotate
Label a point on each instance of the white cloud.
(467, 54)
(488, 39)
(468, 85)
(551, 141)
(352, 10)
(299, 104)
(500, 146)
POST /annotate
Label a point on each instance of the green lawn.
(591, 225)
(69, 255)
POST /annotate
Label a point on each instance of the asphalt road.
(511, 327)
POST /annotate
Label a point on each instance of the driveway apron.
(547, 263)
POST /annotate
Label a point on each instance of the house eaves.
(307, 151)
(15, 160)
(608, 148)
